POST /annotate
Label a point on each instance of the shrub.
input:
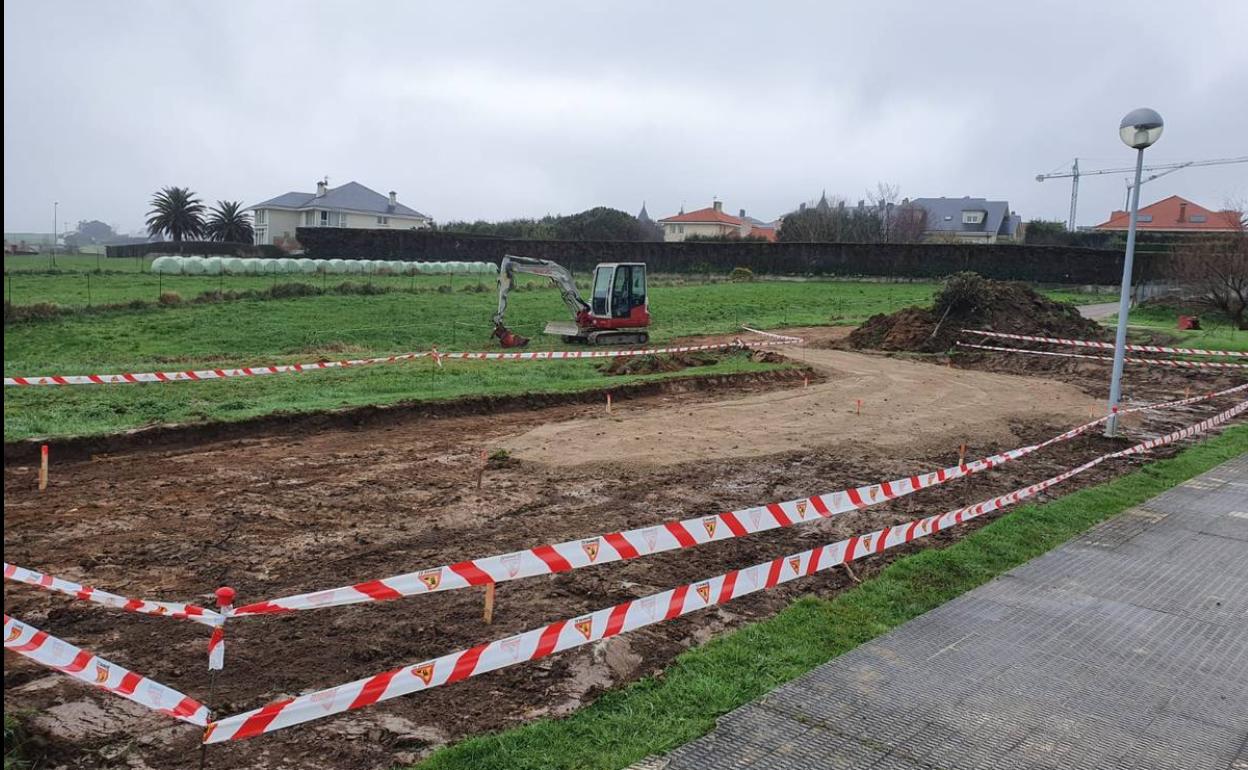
(170, 298)
(741, 274)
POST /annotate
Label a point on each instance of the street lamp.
(54, 205)
(1140, 128)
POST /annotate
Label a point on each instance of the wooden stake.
(43, 467)
(849, 571)
(962, 454)
(488, 616)
(608, 403)
(805, 381)
(481, 468)
(859, 410)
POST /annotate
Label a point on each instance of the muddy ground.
(287, 512)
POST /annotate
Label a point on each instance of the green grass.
(14, 741)
(1080, 297)
(1218, 332)
(305, 329)
(93, 410)
(660, 713)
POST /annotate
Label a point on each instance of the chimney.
(802, 207)
(320, 189)
(742, 214)
(394, 200)
(1183, 212)
(718, 205)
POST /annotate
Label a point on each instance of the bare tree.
(900, 222)
(1215, 268)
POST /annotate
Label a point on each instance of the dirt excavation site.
(278, 509)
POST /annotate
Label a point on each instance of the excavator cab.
(620, 293)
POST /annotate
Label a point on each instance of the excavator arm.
(558, 274)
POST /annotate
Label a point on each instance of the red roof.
(705, 216)
(765, 232)
(1175, 214)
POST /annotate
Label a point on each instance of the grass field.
(659, 713)
(1218, 332)
(422, 311)
(310, 328)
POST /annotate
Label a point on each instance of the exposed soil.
(287, 511)
(657, 363)
(969, 301)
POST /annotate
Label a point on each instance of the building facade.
(350, 205)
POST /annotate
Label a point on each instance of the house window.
(972, 217)
(307, 218)
(1198, 218)
(324, 219)
(262, 235)
(262, 216)
(342, 220)
(1144, 218)
(680, 228)
(383, 220)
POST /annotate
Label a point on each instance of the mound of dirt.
(969, 301)
(655, 364)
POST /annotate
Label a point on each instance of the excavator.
(617, 313)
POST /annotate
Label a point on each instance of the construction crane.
(1164, 168)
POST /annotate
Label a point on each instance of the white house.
(350, 205)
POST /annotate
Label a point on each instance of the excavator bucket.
(509, 339)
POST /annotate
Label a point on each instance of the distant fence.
(194, 248)
(1040, 264)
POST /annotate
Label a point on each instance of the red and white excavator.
(617, 313)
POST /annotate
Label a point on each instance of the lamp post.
(54, 205)
(1140, 128)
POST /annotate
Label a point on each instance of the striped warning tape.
(1109, 360)
(257, 371)
(87, 593)
(60, 655)
(659, 538)
(632, 615)
(1109, 345)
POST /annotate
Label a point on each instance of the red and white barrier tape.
(1110, 345)
(87, 593)
(786, 337)
(60, 655)
(438, 357)
(659, 538)
(1109, 360)
(631, 615)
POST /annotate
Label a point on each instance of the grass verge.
(657, 714)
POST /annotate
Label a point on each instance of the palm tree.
(227, 223)
(176, 212)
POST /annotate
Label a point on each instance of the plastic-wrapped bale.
(438, 268)
(306, 265)
(288, 265)
(336, 266)
(212, 265)
(166, 265)
(251, 265)
(267, 266)
(355, 266)
(192, 266)
(232, 266)
(411, 268)
(397, 266)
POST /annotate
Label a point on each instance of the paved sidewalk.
(1125, 648)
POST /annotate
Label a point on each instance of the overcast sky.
(495, 110)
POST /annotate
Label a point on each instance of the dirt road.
(904, 404)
